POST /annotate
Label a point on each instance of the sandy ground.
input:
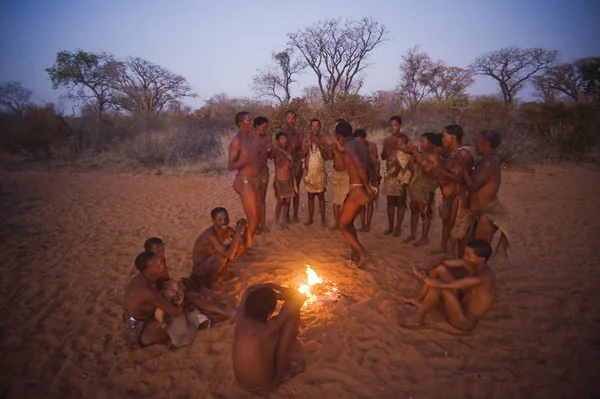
(69, 240)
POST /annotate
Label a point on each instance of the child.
(262, 345)
(284, 185)
(157, 247)
(171, 291)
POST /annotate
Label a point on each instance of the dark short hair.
(278, 135)
(152, 241)
(344, 129)
(482, 248)
(315, 120)
(141, 261)
(491, 137)
(396, 118)
(404, 137)
(239, 117)
(435, 139)
(290, 111)
(455, 130)
(260, 303)
(360, 133)
(340, 120)
(260, 120)
(216, 211)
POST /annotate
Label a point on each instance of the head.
(260, 304)
(281, 139)
(315, 127)
(427, 141)
(338, 121)
(261, 124)
(343, 132)
(244, 121)
(403, 138)
(360, 135)
(290, 118)
(452, 135)
(395, 125)
(477, 252)
(155, 245)
(438, 143)
(487, 142)
(149, 264)
(220, 218)
(168, 288)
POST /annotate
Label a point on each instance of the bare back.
(488, 173)
(359, 164)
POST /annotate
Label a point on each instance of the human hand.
(369, 189)
(419, 273)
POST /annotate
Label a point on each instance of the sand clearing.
(69, 240)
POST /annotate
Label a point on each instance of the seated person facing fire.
(466, 298)
(266, 351)
(210, 254)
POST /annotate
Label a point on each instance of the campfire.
(318, 290)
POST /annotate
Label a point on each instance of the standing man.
(264, 143)
(243, 156)
(356, 159)
(315, 153)
(397, 175)
(483, 188)
(294, 136)
(340, 179)
(373, 177)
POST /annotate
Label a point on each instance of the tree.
(416, 72)
(142, 86)
(511, 67)
(14, 97)
(589, 68)
(275, 81)
(543, 89)
(449, 82)
(338, 52)
(563, 79)
(85, 76)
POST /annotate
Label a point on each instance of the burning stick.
(318, 290)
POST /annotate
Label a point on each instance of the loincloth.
(339, 183)
(420, 189)
(183, 328)
(240, 180)
(464, 228)
(132, 332)
(445, 208)
(498, 214)
(297, 171)
(393, 186)
(284, 188)
(263, 177)
(315, 181)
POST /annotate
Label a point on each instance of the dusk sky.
(219, 45)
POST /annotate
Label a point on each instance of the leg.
(311, 208)
(441, 272)
(370, 208)
(263, 202)
(363, 219)
(426, 221)
(321, 197)
(392, 202)
(348, 213)
(336, 216)
(208, 306)
(153, 334)
(297, 198)
(454, 312)
(485, 229)
(209, 270)
(285, 208)
(401, 205)
(278, 211)
(249, 198)
(414, 221)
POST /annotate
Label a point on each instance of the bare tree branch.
(511, 67)
(275, 81)
(416, 72)
(337, 53)
(14, 97)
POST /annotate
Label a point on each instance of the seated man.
(141, 301)
(466, 299)
(262, 345)
(157, 247)
(210, 254)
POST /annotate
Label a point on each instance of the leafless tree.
(14, 97)
(564, 79)
(275, 81)
(511, 67)
(337, 52)
(416, 73)
(85, 76)
(447, 82)
(142, 86)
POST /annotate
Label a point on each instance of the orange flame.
(313, 279)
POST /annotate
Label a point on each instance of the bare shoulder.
(465, 153)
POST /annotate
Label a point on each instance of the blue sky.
(219, 45)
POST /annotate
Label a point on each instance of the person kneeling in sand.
(263, 345)
(210, 255)
(141, 301)
(466, 299)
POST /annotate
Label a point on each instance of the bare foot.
(308, 223)
(411, 321)
(412, 301)
(294, 368)
(283, 226)
(333, 228)
(397, 233)
(409, 239)
(265, 230)
(422, 241)
(388, 232)
(258, 232)
(367, 228)
(296, 219)
(323, 224)
(361, 228)
(287, 219)
(364, 262)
